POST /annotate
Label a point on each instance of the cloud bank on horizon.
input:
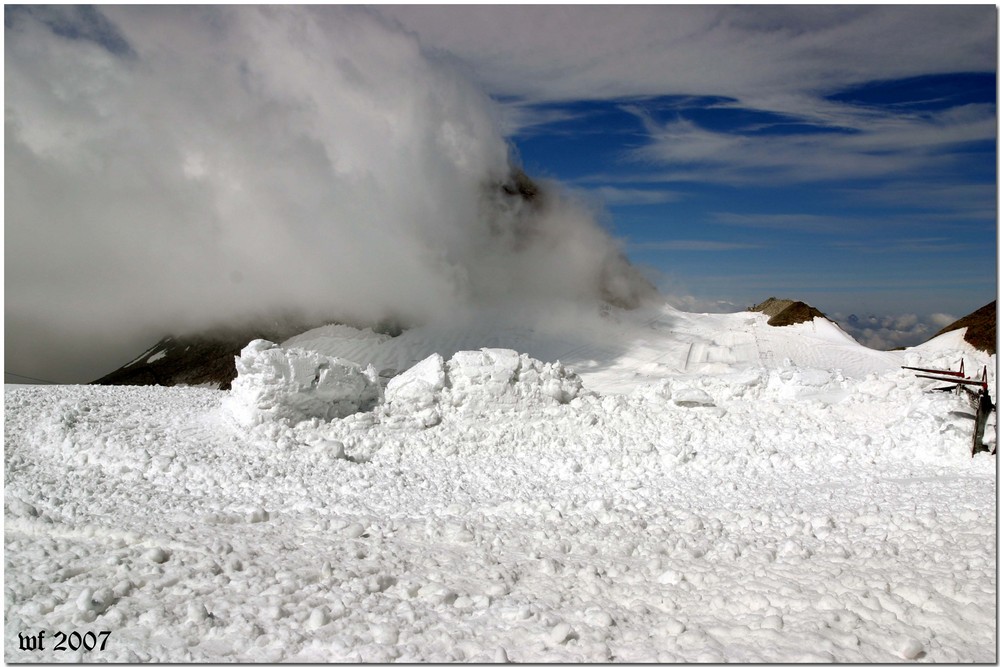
(887, 332)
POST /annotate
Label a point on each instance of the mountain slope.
(197, 359)
(980, 326)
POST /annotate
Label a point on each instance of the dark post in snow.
(981, 398)
(982, 414)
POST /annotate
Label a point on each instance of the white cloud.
(887, 332)
(962, 199)
(525, 120)
(692, 245)
(784, 60)
(809, 222)
(773, 57)
(924, 246)
(611, 195)
(243, 161)
(877, 145)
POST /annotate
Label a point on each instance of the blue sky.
(842, 155)
(914, 234)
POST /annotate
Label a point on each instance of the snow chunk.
(420, 385)
(294, 384)
(506, 377)
(479, 379)
(910, 648)
(690, 397)
(561, 633)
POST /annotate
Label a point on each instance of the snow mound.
(486, 378)
(293, 384)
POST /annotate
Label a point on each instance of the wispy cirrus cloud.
(918, 245)
(803, 222)
(781, 58)
(694, 245)
(858, 145)
(957, 199)
(615, 196)
(523, 119)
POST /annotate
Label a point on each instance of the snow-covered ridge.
(620, 351)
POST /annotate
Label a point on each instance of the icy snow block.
(501, 376)
(420, 385)
(274, 383)
(493, 370)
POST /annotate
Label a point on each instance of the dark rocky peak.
(784, 312)
(981, 328)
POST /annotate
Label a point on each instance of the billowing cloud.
(177, 167)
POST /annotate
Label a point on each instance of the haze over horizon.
(177, 165)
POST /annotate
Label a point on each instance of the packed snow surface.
(695, 488)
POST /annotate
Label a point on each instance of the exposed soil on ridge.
(784, 312)
(982, 328)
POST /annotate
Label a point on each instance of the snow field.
(770, 514)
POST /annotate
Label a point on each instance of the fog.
(170, 169)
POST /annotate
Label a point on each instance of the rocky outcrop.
(785, 311)
(203, 359)
(981, 328)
